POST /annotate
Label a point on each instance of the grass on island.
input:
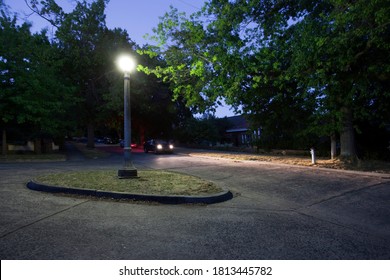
(154, 182)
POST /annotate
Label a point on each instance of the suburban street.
(277, 212)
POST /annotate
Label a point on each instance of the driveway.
(278, 212)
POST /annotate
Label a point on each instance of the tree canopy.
(69, 82)
(298, 68)
(33, 91)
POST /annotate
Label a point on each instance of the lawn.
(359, 165)
(30, 156)
(157, 182)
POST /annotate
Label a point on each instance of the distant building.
(240, 133)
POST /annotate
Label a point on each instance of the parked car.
(122, 144)
(110, 140)
(158, 146)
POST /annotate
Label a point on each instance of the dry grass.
(149, 182)
(32, 157)
(369, 165)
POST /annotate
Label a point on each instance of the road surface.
(278, 212)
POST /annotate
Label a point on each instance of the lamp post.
(126, 64)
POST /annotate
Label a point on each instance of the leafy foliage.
(203, 131)
(71, 82)
(32, 89)
(298, 68)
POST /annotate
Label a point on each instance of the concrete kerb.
(164, 199)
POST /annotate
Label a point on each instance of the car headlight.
(159, 146)
(171, 146)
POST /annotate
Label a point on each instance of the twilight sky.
(138, 17)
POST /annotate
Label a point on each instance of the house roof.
(237, 124)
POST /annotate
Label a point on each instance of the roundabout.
(151, 185)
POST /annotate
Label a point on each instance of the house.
(239, 132)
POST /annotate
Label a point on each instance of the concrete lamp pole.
(126, 64)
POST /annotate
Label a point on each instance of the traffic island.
(151, 185)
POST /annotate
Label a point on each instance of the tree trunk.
(38, 146)
(142, 135)
(90, 111)
(4, 148)
(91, 136)
(347, 135)
(47, 145)
(333, 146)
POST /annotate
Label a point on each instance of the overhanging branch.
(35, 10)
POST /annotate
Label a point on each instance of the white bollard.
(313, 156)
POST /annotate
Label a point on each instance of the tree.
(90, 50)
(82, 37)
(323, 62)
(205, 61)
(186, 61)
(207, 130)
(154, 114)
(342, 55)
(33, 91)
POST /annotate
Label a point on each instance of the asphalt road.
(278, 212)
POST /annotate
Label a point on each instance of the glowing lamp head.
(126, 63)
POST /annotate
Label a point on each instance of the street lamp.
(126, 64)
